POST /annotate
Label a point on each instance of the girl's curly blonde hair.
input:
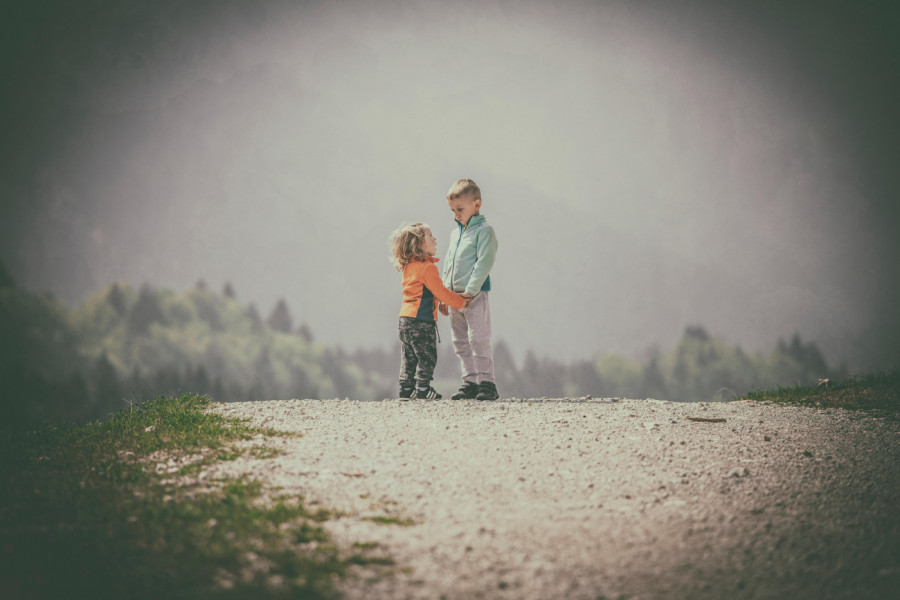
(406, 244)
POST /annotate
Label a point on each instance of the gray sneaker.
(467, 391)
(487, 391)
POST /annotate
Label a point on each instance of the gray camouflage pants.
(418, 352)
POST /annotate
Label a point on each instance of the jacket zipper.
(455, 251)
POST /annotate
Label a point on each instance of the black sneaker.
(429, 394)
(407, 391)
(487, 391)
(467, 391)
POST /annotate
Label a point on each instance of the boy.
(473, 247)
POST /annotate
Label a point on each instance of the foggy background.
(646, 165)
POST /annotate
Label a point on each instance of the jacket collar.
(473, 220)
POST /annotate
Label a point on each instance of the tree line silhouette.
(127, 345)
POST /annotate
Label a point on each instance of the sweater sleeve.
(486, 246)
(433, 282)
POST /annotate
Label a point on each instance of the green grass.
(85, 514)
(876, 391)
(391, 520)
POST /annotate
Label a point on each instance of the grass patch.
(366, 545)
(387, 520)
(876, 391)
(85, 512)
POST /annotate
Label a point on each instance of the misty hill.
(127, 345)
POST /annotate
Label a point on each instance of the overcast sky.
(646, 165)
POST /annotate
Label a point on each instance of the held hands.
(445, 310)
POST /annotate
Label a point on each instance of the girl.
(412, 252)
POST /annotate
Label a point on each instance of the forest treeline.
(127, 345)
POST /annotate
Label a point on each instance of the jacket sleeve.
(486, 251)
(432, 281)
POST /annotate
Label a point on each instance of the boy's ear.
(477, 203)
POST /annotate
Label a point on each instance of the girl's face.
(429, 243)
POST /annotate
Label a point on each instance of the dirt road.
(588, 499)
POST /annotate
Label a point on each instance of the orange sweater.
(422, 288)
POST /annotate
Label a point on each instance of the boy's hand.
(467, 298)
(443, 309)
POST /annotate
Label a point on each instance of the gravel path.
(597, 499)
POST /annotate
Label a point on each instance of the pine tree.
(117, 299)
(653, 384)
(584, 379)
(333, 365)
(145, 311)
(281, 319)
(302, 385)
(305, 332)
(265, 383)
(507, 376)
(207, 305)
(252, 313)
(105, 388)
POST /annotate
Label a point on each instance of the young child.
(473, 247)
(412, 252)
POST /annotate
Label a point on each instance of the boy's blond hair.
(464, 187)
(406, 244)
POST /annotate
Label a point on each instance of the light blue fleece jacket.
(471, 255)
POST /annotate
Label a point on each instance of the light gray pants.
(471, 330)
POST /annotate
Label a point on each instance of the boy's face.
(464, 207)
(429, 243)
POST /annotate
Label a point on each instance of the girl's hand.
(443, 309)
